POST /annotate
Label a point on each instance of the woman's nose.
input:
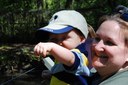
(99, 46)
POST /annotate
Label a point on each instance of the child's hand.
(61, 54)
(43, 49)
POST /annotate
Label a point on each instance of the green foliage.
(20, 18)
(28, 51)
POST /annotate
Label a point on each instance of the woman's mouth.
(102, 57)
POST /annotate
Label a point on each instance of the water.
(26, 78)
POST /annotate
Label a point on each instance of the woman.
(110, 52)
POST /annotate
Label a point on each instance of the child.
(67, 31)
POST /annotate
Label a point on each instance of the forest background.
(19, 20)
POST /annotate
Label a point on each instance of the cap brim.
(56, 29)
(42, 34)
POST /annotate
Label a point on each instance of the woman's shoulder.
(120, 78)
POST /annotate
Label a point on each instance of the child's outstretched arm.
(60, 53)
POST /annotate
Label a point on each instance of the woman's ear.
(126, 46)
(127, 60)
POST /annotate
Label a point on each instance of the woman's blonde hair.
(122, 23)
(92, 33)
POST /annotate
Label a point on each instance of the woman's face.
(68, 40)
(108, 49)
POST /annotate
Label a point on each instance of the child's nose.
(60, 44)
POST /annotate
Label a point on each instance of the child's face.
(68, 40)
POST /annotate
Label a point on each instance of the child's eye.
(57, 40)
(52, 39)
